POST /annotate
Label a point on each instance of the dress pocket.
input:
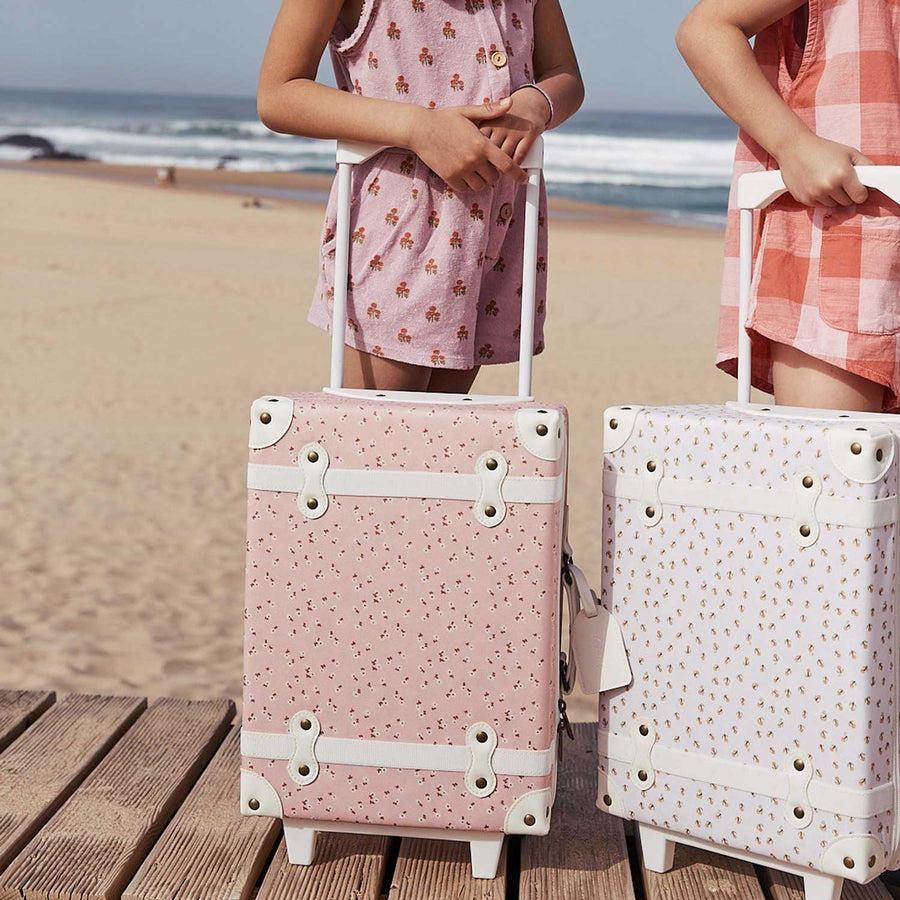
(859, 272)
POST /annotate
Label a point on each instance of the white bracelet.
(531, 84)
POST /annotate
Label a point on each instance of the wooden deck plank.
(441, 869)
(39, 770)
(782, 886)
(91, 848)
(699, 875)
(346, 867)
(585, 854)
(18, 709)
(209, 850)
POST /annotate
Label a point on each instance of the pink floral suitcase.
(402, 643)
(750, 556)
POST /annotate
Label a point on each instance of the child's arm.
(714, 41)
(555, 72)
(290, 101)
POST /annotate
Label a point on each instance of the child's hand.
(448, 141)
(516, 130)
(817, 172)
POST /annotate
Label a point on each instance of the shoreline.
(308, 188)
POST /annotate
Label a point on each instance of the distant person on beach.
(816, 95)
(458, 94)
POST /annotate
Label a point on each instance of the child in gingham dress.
(818, 94)
(457, 91)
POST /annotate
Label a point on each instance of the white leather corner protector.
(797, 808)
(651, 504)
(541, 432)
(862, 454)
(270, 419)
(491, 469)
(609, 795)
(856, 857)
(761, 780)
(643, 737)
(312, 499)
(258, 797)
(530, 813)
(303, 767)
(618, 423)
(481, 740)
(762, 501)
(418, 485)
(396, 755)
(807, 490)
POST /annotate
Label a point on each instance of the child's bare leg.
(802, 380)
(452, 381)
(363, 370)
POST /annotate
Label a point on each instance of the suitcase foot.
(822, 887)
(485, 851)
(300, 843)
(658, 851)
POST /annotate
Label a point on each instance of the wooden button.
(498, 58)
(506, 211)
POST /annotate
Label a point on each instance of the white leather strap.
(396, 755)
(754, 500)
(424, 485)
(756, 779)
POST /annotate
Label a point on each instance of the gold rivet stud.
(491, 463)
(649, 512)
(651, 466)
(805, 530)
(253, 803)
(490, 512)
(607, 800)
(312, 503)
(872, 861)
(808, 481)
(306, 724)
(855, 449)
(879, 454)
(530, 820)
(614, 424)
(265, 418)
(642, 775)
(303, 770)
(799, 812)
(644, 730)
(849, 862)
(312, 456)
(481, 783)
(481, 737)
(541, 429)
(799, 765)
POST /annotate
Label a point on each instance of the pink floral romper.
(435, 275)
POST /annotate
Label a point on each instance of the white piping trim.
(760, 501)
(753, 779)
(420, 485)
(391, 755)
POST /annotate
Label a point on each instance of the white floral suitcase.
(750, 556)
(402, 642)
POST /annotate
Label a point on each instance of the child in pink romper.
(457, 91)
(819, 90)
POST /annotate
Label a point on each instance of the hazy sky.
(625, 49)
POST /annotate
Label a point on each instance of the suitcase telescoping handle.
(757, 190)
(349, 154)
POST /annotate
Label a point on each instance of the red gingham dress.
(826, 281)
(435, 275)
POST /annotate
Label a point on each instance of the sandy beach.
(137, 326)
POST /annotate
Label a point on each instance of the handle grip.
(351, 153)
(757, 190)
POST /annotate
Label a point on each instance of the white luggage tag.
(595, 639)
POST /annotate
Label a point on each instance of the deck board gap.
(513, 866)
(634, 862)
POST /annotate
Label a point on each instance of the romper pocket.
(859, 272)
